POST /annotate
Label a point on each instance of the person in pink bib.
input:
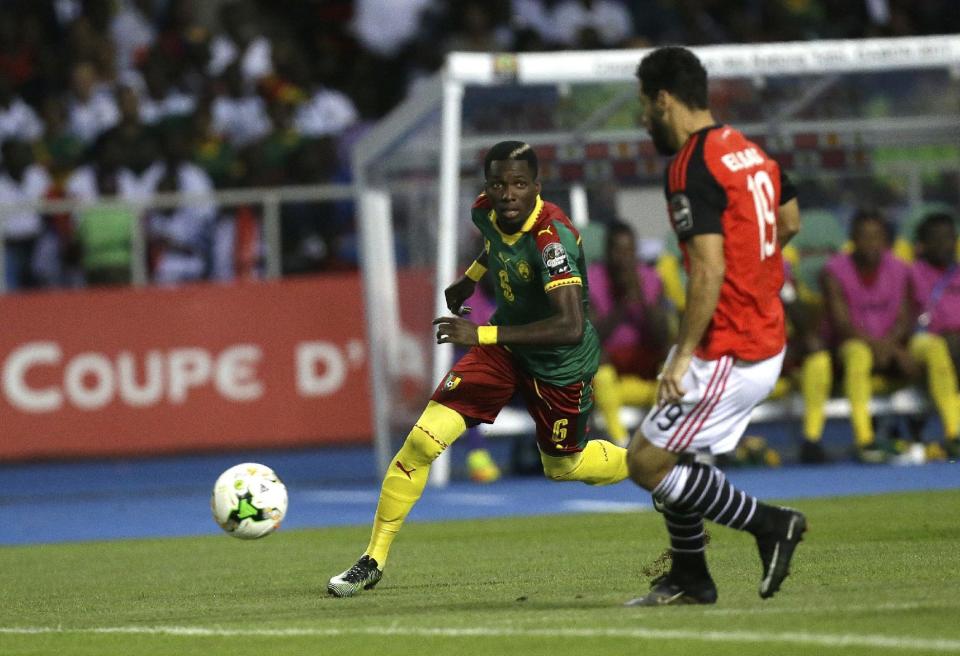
(870, 321)
(629, 313)
(935, 297)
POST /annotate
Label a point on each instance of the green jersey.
(545, 254)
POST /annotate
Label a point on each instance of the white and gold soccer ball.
(249, 501)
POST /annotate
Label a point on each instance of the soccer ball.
(249, 501)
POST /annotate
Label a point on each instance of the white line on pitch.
(790, 637)
(773, 610)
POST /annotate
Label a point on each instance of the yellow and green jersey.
(545, 254)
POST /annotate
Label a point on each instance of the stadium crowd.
(133, 97)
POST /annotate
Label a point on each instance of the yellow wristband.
(486, 335)
(475, 271)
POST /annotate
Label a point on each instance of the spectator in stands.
(533, 16)
(242, 43)
(592, 24)
(277, 149)
(162, 99)
(238, 115)
(24, 48)
(935, 293)
(385, 27)
(21, 181)
(18, 120)
(313, 232)
(59, 149)
(212, 152)
(102, 233)
(180, 238)
(133, 30)
(141, 165)
(318, 110)
(475, 29)
(91, 108)
(324, 112)
(866, 293)
(628, 306)
(807, 361)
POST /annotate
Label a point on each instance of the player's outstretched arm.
(788, 221)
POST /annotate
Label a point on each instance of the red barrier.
(138, 371)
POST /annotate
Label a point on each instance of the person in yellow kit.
(867, 299)
(808, 365)
(630, 317)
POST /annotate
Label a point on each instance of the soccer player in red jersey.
(732, 210)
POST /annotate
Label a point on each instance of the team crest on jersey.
(450, 382)
(523, 270)
(680, 213)
(555, 258)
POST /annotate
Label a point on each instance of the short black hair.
(929, 222)
(515, 150)
(871, 214)
(676, 70)
(616, 228)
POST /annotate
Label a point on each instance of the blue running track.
(107, 500)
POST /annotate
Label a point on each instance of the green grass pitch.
(875, 575)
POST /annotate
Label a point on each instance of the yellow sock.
(406, 477)
(933, 352)
(816, 379)
(857, 364)
(606, 394)
(600, 463)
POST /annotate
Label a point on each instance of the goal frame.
(445, 90)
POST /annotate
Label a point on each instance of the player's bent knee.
(434, 431)
(648, 464)
(420, 447)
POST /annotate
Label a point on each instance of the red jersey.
(722, 183)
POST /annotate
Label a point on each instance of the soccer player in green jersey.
(539, 343)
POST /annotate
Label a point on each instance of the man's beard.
(661, 137)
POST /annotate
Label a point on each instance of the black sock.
(705, 491)
(687, 544)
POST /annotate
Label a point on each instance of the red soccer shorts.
(487, 377)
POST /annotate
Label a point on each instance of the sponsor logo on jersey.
(555, 259)
(547, 230)
(680, 213)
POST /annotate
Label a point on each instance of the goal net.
(867, 122)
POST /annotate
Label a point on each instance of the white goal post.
(426, 131)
